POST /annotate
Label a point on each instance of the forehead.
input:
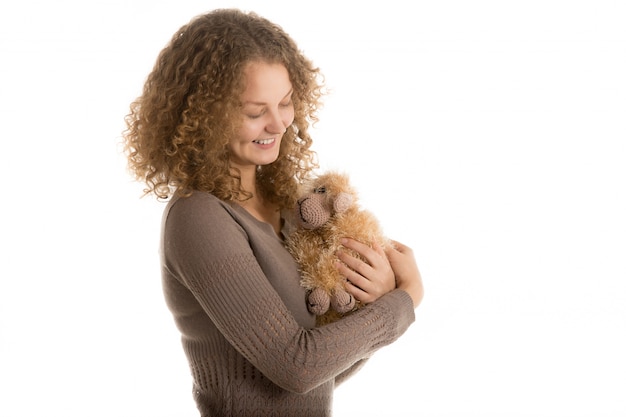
(264, 82)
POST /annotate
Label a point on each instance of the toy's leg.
(342, 301)
(318, 301)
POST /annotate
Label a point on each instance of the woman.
(222, 129)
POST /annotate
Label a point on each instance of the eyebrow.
(258, 103)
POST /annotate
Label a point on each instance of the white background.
(488, 135)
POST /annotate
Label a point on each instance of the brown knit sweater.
(251, 344)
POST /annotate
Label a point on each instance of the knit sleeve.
(211, 256)
(347, 374)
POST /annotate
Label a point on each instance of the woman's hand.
(366, 281)
(407, 274)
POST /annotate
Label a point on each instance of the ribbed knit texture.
(235, 295)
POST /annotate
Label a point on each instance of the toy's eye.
(320, 190)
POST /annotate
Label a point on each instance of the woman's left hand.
(366, 280)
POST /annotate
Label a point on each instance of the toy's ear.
(342, 202)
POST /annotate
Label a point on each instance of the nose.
(275, 123)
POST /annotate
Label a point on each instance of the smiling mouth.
(264, 141)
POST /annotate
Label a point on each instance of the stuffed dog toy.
(328, 211)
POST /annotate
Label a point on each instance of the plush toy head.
(327, 195)
(328, 211)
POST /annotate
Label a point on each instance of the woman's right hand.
(407, 274)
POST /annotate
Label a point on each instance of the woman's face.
(267, 112)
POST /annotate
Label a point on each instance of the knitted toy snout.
(312, 211)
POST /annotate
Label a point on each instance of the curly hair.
(178, 130)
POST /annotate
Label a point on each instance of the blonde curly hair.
(178, 130)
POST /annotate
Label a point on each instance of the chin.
(267, 161)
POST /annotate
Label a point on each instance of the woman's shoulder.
(198, 205)
(200, 220)
(196, 199)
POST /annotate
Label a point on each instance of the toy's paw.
(318, 301)
(342, 301)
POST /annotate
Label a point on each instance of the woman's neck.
(257, 206)
(248, 179)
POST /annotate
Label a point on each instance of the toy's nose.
(311, 212)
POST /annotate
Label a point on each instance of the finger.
(398, 247)
(358, 293)
(378, 248)
(356, 284)
(371, 254)
(395, 245)
(370, 286)
(353, 264)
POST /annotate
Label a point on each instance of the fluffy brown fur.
(327, 211)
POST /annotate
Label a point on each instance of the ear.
(342, 202)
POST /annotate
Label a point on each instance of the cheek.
(288, 116)
(248, 130)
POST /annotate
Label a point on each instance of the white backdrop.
(488, 135)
